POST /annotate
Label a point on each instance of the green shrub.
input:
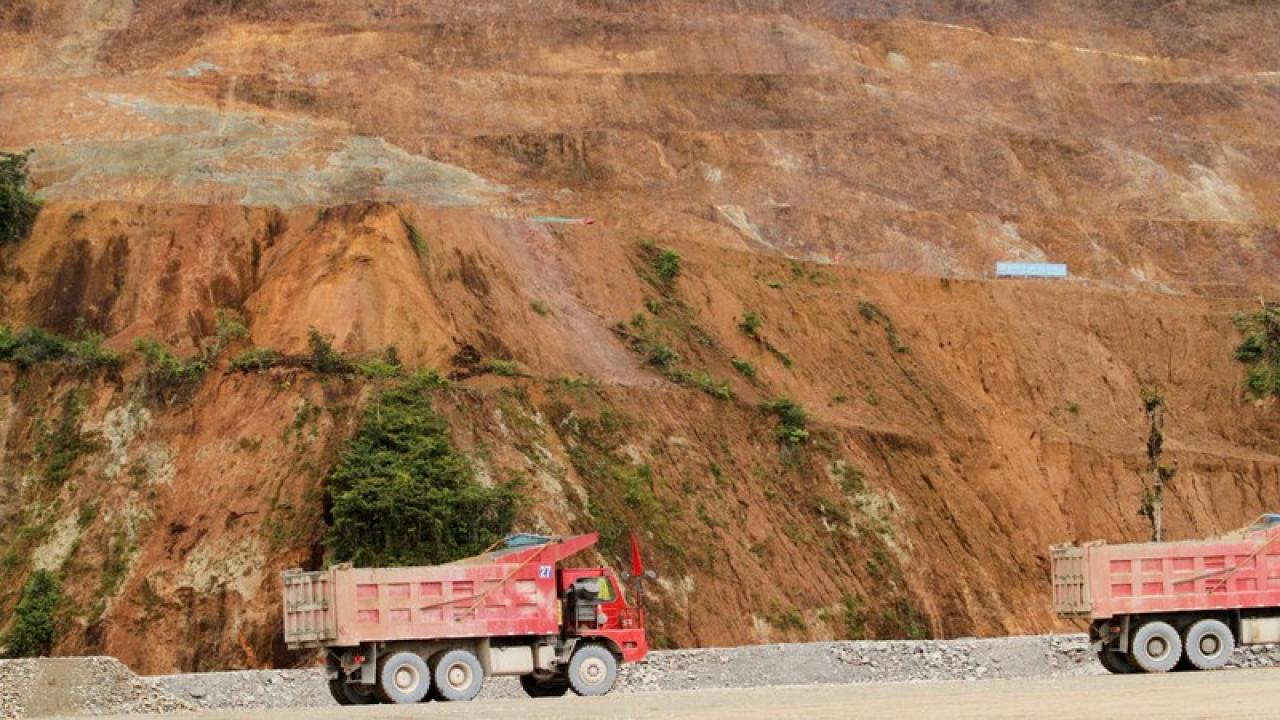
(1260, 349)
(229, 327)
(324, 359)
(34, 345)
(540, 307)
(32, 633)
(168, 377)
(744, 367)
(666, 264)
(660, 356)
(719, 389)
(792, 420)
(751, 322)
(31, 346)
(18, 207)
(402, 494)
(86, 351)
(505, 368)
(59, 447)
(256, 359)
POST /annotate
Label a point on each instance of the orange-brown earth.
(849, 171)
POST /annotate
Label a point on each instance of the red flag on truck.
(637, 565)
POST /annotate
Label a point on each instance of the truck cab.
(593, 606)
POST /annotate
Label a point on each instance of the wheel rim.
(459, 676)
(1210, 645)
(406, 678)
(593, 671)
(1157, 648)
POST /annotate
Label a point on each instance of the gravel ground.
(79, 686)
(94, 686)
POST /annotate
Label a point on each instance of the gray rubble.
(95, 686)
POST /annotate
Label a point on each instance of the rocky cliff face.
(384, 172)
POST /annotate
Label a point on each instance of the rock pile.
(79, 686)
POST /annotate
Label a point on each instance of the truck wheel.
(1116, 663)
(347, 694)
(1209, 644)
(458, 675)
(592, 671)
(535, 688)
(1156, 647)
(403, 678)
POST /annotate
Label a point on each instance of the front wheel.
(535, 688)
(592, 671)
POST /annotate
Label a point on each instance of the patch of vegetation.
(871, 313)
(61, 446)
(18, 207)
(750, 323)
(666, 265)
(786, 620)
(853, 618)
(718, 389)
(324, 358)
(744, 367)
(256, 359)
(416, 241)
(33, 346)
(1073, 408)
(505, 368)
(228, 327)
(1260, 349)
(32, 633)
(169, 379)
(402, 494)
(1159, 475)
(540, 307)
(792, 420)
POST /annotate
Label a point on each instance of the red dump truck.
(405, 635)
(1152, 607)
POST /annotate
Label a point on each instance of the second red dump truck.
(405, 635)
(1152, 607)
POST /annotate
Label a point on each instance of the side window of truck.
(606, 590)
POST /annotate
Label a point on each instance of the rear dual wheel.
(1156, 647)
(403, 678)
(457, 675)
(1208, 644)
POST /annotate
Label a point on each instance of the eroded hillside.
(836, 183)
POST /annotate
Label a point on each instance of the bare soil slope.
(378, 170)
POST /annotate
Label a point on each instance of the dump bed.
(508, 593)
(1097, 580)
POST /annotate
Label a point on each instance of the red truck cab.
(606, 615)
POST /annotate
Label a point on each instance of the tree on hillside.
(32, 633)
(18, 207)
(402, 494)
(1158, 475)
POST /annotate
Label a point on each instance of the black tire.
(1208, 644)
(535, 688)
(403, 678)
(1117, 663)
(1156, 647)
(592, 671)
(344, 693)
(457, 675)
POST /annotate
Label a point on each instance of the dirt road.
(1236, 694)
